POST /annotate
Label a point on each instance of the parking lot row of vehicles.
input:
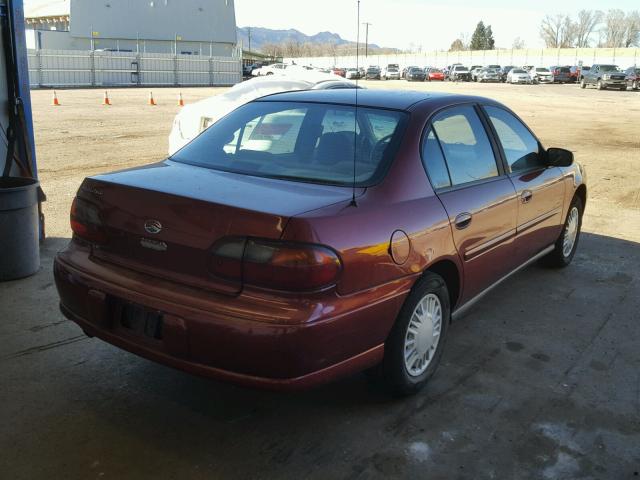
(601, 76)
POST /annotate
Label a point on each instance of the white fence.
(79, 68)
(545, 57)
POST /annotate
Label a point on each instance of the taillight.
(86, 223)
(276, 265)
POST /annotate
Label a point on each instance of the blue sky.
(405, 23)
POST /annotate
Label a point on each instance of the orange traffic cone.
(106, 100)
(151, 100)
(55, 101)
(180, 100)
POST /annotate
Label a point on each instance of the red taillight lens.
(85, 222)
(276, 265)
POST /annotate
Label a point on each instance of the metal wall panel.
(69, 68)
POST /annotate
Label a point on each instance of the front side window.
(312, 142)
(520, 147)
(465, 145)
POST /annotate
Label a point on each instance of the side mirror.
(559, 157)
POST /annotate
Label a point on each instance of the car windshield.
(517, 70)
(608, 68)
(542, 70)
(307, 142)
(415, 70)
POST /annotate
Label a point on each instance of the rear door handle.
(463, 220)
(526, 196)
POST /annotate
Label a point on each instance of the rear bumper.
(236, 347)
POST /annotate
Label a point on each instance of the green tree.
(490, 43)
(479, 37)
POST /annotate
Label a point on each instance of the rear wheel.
(566, 245)
(414, 347)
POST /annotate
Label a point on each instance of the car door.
(479, 198)
(540, 188)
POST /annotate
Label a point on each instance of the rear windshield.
(565, 69)
(307, 142)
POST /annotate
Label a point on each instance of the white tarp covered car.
(196, 117)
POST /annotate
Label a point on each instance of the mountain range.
(263, 36)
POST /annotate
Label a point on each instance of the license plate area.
(140, 321)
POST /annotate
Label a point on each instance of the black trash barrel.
(19, 245)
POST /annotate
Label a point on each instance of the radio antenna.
(355, 121)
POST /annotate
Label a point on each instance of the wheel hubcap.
(423, 335)
(570, 232)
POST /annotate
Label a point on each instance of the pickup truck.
(459, 72)
(603, 77)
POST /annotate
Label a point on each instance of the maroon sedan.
(296, 241)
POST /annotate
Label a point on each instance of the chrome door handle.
(526, 196)
(463, 220)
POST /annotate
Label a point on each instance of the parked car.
(404, 71)
(633, 77)
(253, 256)
(474, 73)
(373, 73)
(583, 70)
(391, 72)
(196, 117)
(247, 70)
(504, 71)
(574, 73)
(560, 74)
(603, 77)
(415, 74)
(341, 72)
(488, 75)
(519, 75)
(435, 74)
(273, 69)
(352, 74)
(459, 73)
(541, 75)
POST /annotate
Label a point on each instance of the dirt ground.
(541, 380)
(82, 137)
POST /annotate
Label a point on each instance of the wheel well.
(449, 272)
(582, 193)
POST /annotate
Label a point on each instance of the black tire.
(583, 84)
(634, 85)
(557, 258)
(395, 375)
(600, 85)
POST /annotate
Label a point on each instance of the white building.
(189, 27)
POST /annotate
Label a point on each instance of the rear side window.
(308, 142)
(520, 147)
(434, 161)
(465, 145)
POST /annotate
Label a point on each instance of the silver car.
(518, 75)
(488, 75)
(542, 75)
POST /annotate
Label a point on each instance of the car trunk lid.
(163, 219)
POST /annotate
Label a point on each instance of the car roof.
(391, 99)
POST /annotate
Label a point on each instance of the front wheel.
(567, 244)
(583, 84)
(414, 347)
(600, 85)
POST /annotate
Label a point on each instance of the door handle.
(526, 196)
(462, 221)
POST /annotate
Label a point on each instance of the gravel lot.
(541, 380)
